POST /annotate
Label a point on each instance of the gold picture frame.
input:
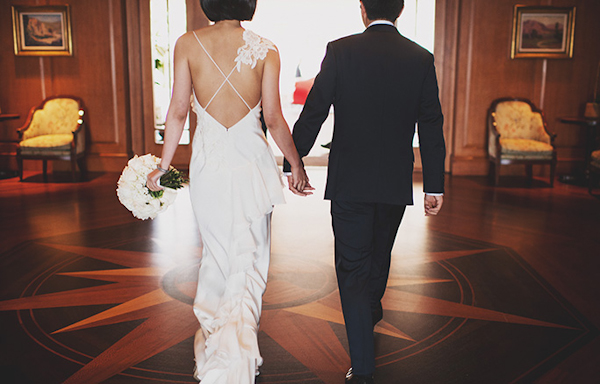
(543, 32)
(42, 30)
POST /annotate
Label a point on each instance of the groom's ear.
(363, 14)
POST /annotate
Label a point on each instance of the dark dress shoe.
(351, 378)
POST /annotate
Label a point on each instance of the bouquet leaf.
(173, 179)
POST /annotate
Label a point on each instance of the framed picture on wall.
(42, 30)
(543, 32)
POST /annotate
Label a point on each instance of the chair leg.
(529, 173)
(593, 181)
(496, 174)
(45, 169)
(552, 173)
(20, 166)
(82, 168)
(74, 169)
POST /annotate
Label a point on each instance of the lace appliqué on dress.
(256, 48)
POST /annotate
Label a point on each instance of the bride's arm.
(298, 182)
(177, 113)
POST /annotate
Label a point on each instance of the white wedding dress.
(234, 183)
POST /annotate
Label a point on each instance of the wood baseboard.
(469, 166)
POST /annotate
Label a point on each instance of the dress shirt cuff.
(287, 173)
(434, 194)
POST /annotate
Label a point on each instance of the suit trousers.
(364, 237)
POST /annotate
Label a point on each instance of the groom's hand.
(433, 204)
(300, 185)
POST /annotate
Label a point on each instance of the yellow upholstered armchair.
(518, 134)
(54, 130)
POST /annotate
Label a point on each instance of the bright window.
(168, 22)
(301, 30)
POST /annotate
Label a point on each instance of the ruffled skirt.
(232, 200)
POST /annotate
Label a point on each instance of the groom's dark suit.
(380, 85)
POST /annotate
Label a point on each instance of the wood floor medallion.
(110, 306)
(480, 294)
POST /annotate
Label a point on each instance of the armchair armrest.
(544, 134)
(21, 130)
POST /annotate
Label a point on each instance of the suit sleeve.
(431, 134)
(316, 108)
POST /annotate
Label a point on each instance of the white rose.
(135, 163)
(150, 161)
(144, 211)
(128, 176)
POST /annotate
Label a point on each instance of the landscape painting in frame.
(42, 30)
(543, 32)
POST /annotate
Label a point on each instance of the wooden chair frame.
(593, 173)
(594, 179)
(496, 159)
(76, 159)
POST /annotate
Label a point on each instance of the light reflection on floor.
(302, 226)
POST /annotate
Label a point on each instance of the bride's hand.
(153, 180)
(298, 182)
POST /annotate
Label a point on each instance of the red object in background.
(301, 91)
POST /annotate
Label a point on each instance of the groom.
(380, 85)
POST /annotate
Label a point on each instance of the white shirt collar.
(381, 22)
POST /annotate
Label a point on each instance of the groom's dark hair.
(217, 10)
(383, 9)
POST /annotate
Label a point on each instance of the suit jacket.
(380, 84)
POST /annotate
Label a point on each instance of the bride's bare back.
(213, 92)
(257, 81)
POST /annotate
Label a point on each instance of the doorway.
(301, 31)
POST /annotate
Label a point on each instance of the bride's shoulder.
(187, 39)
(253, 39)
(190, 41)
(255, 48)
(203, 34)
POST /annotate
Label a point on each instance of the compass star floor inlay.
(110, 306)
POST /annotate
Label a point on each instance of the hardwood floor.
(501, 287)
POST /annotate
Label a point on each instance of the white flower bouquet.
(136, 197)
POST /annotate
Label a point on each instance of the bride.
(234, 180)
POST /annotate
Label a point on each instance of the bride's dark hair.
(217, 10)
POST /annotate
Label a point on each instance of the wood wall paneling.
(25, 71)
(95, 73)
(195, 16)
(446, 48)
(570, 83)
(111, 70)
(134, 71)
(485, 72)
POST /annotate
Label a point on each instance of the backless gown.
(234, 183)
